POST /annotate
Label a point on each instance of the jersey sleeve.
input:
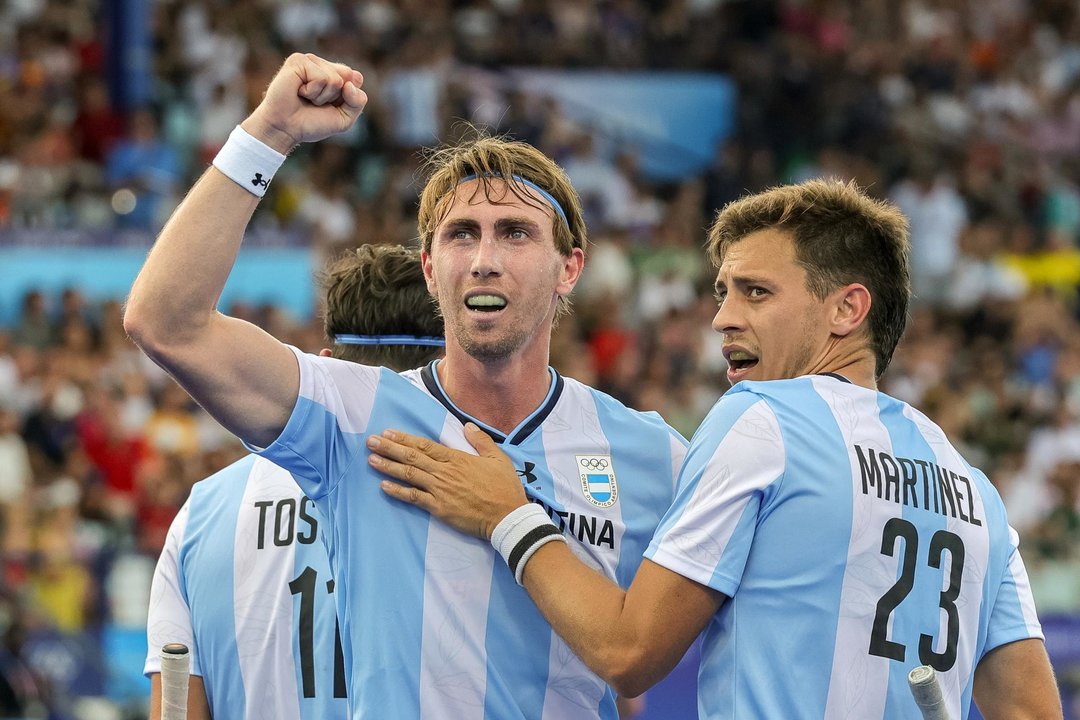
(1013, 616)
(321, 439)
(169, 617)
(679, 446)
(735, 456)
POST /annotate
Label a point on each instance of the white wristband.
(522, 533)
(248, 162)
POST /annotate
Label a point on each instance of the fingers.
(481, 441)
(403, 471)
(412, 449)
(353, 99)
(325, 83)
(407, 494)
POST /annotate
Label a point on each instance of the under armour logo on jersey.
(527, 474)
(258, 180)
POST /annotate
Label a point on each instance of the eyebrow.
(743, 280)
(526, 223)
(501, 225)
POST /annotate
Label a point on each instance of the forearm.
(175, 294)
(1016, 681)
(561, 586)
(245, 378)
(629, 638)
(172, 301)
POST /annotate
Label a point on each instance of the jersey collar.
(518, 434)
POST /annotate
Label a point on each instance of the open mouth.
(740, 361)
(485, 303)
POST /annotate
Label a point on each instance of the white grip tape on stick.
(924, 687)
(175, 662)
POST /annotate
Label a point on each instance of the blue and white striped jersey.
(433, 622)
(854, 544)
(245, 583)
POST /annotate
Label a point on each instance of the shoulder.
(228, 476)
(763, 411)
(333, 367)
(250, 475)
(615, 412)
(812, 399)
(348, 388)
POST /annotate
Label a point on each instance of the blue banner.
(673, 121)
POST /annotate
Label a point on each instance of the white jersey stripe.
(452, 672)
(263, 606)
(858, 680)
(169, 617)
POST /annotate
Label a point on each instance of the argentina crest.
(598, 479)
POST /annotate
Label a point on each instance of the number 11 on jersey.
(305, 585)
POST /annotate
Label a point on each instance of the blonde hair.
(491, 158)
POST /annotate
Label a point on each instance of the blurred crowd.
(966, 114)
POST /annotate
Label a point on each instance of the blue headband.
(529, 184)
(389, 340)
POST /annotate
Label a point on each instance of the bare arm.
(630, 638)
(197, 707)
(243, 376)
(1016, 681)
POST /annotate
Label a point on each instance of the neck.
(499, 393)
(857, 364)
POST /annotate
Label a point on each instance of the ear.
(850, 306)
(429, 274)
(570, 272)
(326, 352)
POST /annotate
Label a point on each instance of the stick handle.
(927, 693)
(174, 681)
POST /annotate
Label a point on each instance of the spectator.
(145, 173)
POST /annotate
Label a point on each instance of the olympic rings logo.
(594, 463)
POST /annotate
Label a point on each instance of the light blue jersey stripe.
(207, 583)
(702, 446)
(517, 671)
(809, 522)
(382, 544)
(641, 498)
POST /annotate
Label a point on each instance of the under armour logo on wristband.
(248, 162)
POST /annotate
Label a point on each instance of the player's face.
(496, 272)
(773, 326)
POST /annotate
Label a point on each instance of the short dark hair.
(380, 290)
(841, 236)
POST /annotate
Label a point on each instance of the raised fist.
(309, 99)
